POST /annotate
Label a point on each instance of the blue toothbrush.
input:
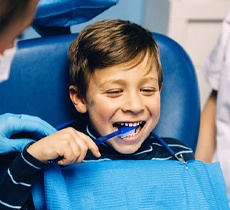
(123, 132)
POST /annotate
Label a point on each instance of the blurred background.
(194, 24)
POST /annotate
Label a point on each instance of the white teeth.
(130, 124)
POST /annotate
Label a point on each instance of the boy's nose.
(133, 103)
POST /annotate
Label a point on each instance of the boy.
(116, 78)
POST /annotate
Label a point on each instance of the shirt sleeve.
(16, 182)
(216, 60)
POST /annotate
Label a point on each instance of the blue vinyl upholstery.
(39, 82)
(55, 17)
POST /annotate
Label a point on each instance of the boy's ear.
(77, 100)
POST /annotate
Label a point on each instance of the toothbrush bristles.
(132, 131)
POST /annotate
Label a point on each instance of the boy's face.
(118, 95)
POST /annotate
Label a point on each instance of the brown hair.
(107, 43)
(10, 10)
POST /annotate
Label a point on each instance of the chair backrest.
(38, 85)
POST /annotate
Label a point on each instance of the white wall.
(195, 24)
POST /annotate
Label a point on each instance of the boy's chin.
(126, 149)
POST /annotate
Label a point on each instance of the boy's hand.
(69, 144)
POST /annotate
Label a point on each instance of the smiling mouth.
(138, 125)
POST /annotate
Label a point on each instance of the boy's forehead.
(146, 67)
(145, 61)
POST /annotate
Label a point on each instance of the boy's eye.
(148, 91)
(114, 92)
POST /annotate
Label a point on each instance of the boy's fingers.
(70, 155)
(94, 149)
(91, 145)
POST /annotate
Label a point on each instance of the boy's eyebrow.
(116, 81)
(122, 82)
(155, 79)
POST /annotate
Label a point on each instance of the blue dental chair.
(38, 85)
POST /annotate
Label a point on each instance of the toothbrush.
(122, 132)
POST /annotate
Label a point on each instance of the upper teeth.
(130, 124)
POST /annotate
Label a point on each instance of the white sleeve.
(223, 101)
(216, 60)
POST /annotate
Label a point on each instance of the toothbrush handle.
(103, 139)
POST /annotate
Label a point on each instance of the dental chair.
(38, 85)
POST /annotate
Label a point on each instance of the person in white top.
(214, 137)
